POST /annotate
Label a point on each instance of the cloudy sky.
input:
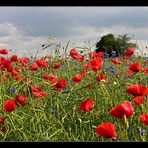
(23, 28)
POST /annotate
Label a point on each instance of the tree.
(109, 43)
(123, 42)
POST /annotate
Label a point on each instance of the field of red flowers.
(79, 98)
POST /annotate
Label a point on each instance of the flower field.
(79, 98)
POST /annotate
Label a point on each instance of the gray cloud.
(29, 26)
(41, 20)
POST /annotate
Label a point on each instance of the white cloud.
(8, 29)
(17, 42)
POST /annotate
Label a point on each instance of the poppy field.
(76, 98)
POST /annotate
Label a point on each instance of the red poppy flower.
(77, 77)
(42, 63)
(35, 89)
(129, 51)
(92, 54)
(74, 54)
(137, 90)
(100, 54)
(60, 84)
(96, 63)
(2, 59)
(100, 77)
(4, 78)
(16, 77)
(144, 118)
(83, 74)
(145, 70)
(40, 94)
(21, 99)
(10, 69)
(80, 58)
(95, 68)
(52, 78)
(115, 60)
(53, 81)
(56, 65)
(135, 67)
(17, 69)
(86, 67)
(3, 51)
(13, 58)
(1, 120)
(106, 130)
(37, 92)
(138, 100)
(5, 63)
(87, 105)
(9, 105)
(33, 66)
(19, 77)
(95, 54)
(14, 73)
(45, 76)
(23, 60)
(129, 73)
(125, 108)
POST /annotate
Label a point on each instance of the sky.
(26, 29)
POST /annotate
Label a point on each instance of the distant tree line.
(117, 46)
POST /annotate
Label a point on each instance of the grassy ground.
(56, 117)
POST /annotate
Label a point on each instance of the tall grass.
(57, 117)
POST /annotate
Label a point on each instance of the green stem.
(125, 122)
